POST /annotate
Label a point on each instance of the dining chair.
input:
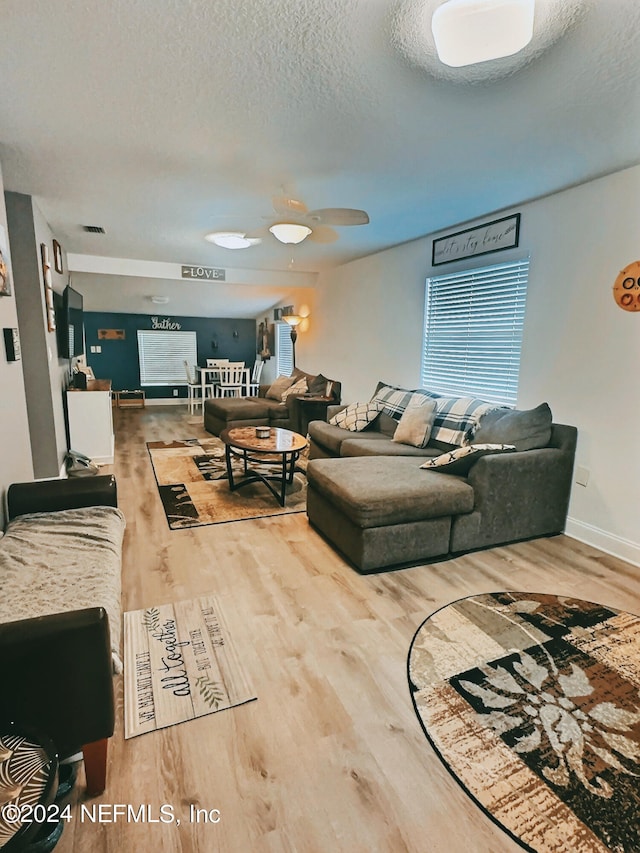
(253, 386)
(213, 374)
(231, 379)
(195, 389)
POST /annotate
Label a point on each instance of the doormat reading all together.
(180, 663)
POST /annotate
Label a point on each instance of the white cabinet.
(91, 421)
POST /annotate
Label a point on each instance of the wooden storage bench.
(135, 399)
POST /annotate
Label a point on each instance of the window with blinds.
(162, 356)
(284, 350)
(473, 332)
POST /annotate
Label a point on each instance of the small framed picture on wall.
(5, 271)
(57, 256)
(48, 287)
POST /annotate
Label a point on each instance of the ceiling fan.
(294, 222)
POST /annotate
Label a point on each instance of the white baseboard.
(166, 401)
(625, 549)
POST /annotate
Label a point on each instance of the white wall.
(15, 449)
(368, 321)
(581, 352)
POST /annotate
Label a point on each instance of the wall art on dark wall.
(111, 334)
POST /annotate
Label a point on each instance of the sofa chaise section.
(384, 511)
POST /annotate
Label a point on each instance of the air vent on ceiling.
(94, 229)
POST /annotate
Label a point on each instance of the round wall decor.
(626, 289)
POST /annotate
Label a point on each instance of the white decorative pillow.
(460, 460)
(357, 416)
(414, 427)
(299, 387)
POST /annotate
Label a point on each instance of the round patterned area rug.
(533, 703)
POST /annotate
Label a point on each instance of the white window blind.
(473, 331)
(162, 356)
(284, 350)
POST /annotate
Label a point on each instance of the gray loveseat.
(369, 496)
(222, 413)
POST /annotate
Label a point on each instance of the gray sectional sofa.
(370, 497)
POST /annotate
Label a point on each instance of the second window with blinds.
(284, 350)
(473, 332)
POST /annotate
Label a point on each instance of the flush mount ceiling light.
(412, 35)
(470, 31)
(159, 300)
(231, 239)
(290, 232)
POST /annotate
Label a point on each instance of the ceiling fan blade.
(339, 216)
(286, 206)
(322, 234)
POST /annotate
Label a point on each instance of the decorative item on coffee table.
(281, 445)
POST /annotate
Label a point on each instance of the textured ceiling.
(161, 121)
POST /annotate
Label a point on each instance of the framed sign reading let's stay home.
(495, 236)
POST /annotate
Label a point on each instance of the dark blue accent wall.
(118, 360)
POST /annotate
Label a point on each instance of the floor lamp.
(294, 321)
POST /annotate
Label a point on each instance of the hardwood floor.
(331, 757)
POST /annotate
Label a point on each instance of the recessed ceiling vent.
(94, 229)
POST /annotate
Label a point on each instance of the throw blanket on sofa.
(53, 562)
(456, 418)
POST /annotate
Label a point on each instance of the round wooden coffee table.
(282, 447)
